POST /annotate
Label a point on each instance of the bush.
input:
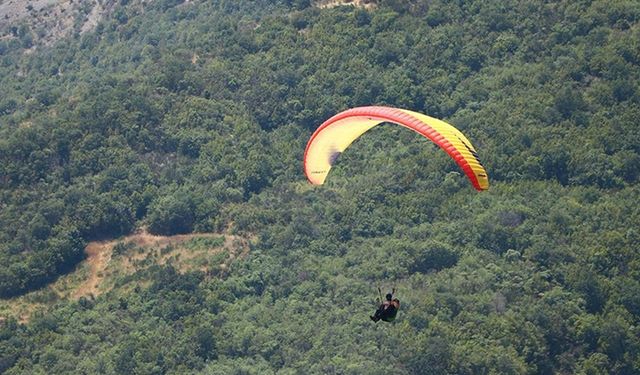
(171, 214)
(435, 256)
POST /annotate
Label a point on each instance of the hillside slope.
(35, 23)
(110, 264)
(192, 117)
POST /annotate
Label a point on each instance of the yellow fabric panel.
(331, 141)
(457, 140)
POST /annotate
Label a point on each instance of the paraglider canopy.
(337, 133)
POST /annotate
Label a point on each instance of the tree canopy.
(193, 117)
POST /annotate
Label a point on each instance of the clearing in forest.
(109, 265)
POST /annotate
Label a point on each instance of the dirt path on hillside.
(102, 269)
(99, 255)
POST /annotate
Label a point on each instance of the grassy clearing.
(110, 264)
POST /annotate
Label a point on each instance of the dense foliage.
(194, 117)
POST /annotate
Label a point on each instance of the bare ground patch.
(98, 256)
(186, 252)
(367, 4)
(48, 21)
(108, 262)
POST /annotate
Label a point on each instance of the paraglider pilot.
(388, 309)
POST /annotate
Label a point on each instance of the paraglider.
(337, 133)
(388, 309)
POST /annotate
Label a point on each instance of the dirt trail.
(99, 255)
(101, 269)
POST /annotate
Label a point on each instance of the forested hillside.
(193, 116)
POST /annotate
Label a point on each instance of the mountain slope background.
(192, 116)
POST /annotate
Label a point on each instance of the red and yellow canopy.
(338, 132)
